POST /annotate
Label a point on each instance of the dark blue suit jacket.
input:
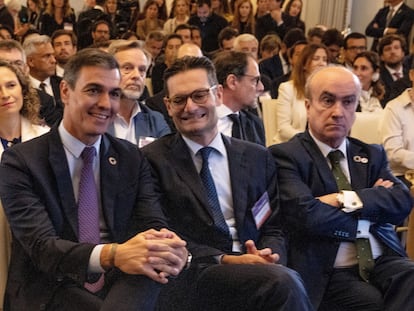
(315, 229)
(37, 195)
(252, 172)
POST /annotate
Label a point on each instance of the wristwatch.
(189, 259)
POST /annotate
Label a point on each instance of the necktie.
(389, 16)
(210, 187)
(88, 208)
(363, 246)
(42, 86)
(397, 75)
(236, 130)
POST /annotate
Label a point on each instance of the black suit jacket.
(252, 127)
(390, 84)
(315, 229)
(252, 173)
(37, 195)
(402, 20)
(49, 111)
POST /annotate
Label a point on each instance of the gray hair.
(31, 43)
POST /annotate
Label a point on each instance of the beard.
(132, 94)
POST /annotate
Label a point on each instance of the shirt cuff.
(349, 200)
(95, 260)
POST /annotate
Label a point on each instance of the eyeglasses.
(198, 97)
(255, 79)
(357, 48)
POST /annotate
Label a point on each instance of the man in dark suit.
(115, 253)
(239, 75)
(395, 18)
(391, 50)
(231, 217)
(326, 225)
(135, 121)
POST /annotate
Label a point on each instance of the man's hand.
(253, 256)
(383, 183)
(330, 199)
(156, 254)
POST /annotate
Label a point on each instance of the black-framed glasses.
(357, 48)
(255, 79)
(198, 97)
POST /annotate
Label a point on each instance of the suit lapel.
(358, 164)
(59, 165)
(181, 159)
(238, 177)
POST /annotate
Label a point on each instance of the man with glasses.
(239, 75)
(354, 44)
(220, 196)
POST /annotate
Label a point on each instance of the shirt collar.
(74, 145)
(397, 7)
(36, 83)
(223, 111)
(217, 143)
(135, 111)
(325, 149)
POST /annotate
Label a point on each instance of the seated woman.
(243, 20)
(180, 13)
(292, 10)
(290, 109)
(366, 67)
(19, 121)
(151, 21)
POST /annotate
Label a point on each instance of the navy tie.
(237, 130)
(210, 187)
(88, 208)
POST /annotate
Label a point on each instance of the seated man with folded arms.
(341, 202)
(88, 230)
(220, 195)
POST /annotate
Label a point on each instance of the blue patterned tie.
(88, 208)
(213, 201)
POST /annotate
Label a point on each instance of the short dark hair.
(170, 37)
(388, 39)
(98, 22)
(200, 3)
(226, 34)
(64, 32)
(230, 62)
(87, 58)
(315, 32)
(189, 63)
(353, 35)
(182, 26)
(333, 37)
(293, 35)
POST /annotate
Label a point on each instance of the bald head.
(189, 49)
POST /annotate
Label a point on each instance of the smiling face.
(363, 69)
(92, 103)
(11, 97)
(198, 122)
(334, 94)
(133, 65)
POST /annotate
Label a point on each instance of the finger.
(265, 252)
(250, 247)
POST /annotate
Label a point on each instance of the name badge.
(145, 140)
(261, 210)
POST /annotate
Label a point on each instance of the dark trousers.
(235, 287)
(391, 287)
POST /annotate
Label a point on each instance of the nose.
(190, 105)
(337, 109)
(4, 93)
(260, 87)
(105, 101)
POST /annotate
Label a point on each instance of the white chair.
(366, 127)
(269, 119)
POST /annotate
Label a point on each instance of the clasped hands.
(252, 256)
(156, 254)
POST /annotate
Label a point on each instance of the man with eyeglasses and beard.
(220, 195)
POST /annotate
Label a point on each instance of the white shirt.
(48, 86)
(219, 168)
(59, 71)
(124, 129)
(225, 124)
(397, 132)
(73, 149)
(369, 103)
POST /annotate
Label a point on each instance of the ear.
(231, 82)
(64, 91)
(219, 95)
(29, 61)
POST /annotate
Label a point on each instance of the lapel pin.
(112, 160)
(360, 159)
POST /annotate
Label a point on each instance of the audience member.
(247, 43)
(269, 46)
(396, 131)
(94, 12)
(394, 18)
(222, 8)
(171, 45)
(239, 75)
(290, 107)
(5, 17)
(391, 49)
(153, 45)
(184, 30)
(82, 242)
(244, 21)
(134, 122)
(292, 10)
(100, 31)
(64, 43)
(334, 41)
(150, 22)
(354, 43)
(209, 23)
(180, 13)
(222, 233)
(340, 203)
(272, 22)
(19, 121)
(366, 68)
(196, 36)
(58, 15)
(262, 8)
(315, 34)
